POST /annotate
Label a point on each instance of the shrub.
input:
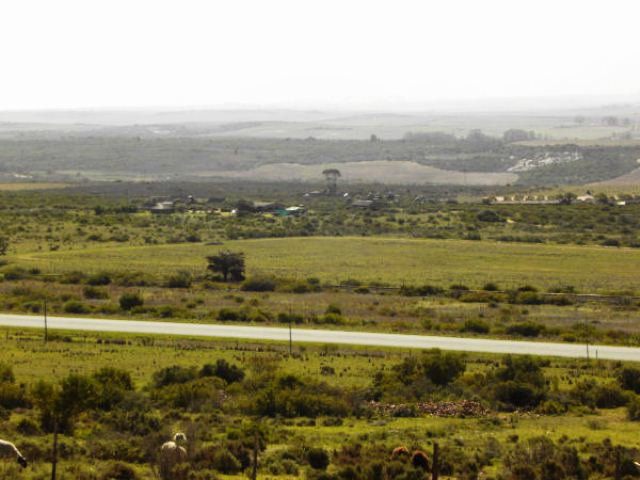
(333, 308)
(119, 471)
(489, 216)
(475, 326)
(128, 301)
(527, 298)
(230, 315)
(518, 394)
(6, 373)
(94, 293)
(15, 273)
(290, 318)
(443, 368)
(225, 462)
(421, 291)
(173, 375)
(301, 287)
(526, 329)
(12, 396)
(99, 279)
(318, 458)
(629, 379)
(224, 370)
(72, 278)
(490, 287)
(633, 409)
(259, 285)
(181, 279)
(75, 307)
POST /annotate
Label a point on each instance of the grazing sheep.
(9, 450)
(400, 452)
(172, 453)
(419, 459)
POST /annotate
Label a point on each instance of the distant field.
(16, 187)
(390, 172)
(630, 179)
(389, 260)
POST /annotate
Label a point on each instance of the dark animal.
(419, 459)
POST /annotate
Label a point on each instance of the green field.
(388, 260)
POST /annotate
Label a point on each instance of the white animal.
(9, 450)
(172, 453)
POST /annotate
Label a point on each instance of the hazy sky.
(113, 53)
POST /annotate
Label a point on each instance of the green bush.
(230, 315)
(475, 326)
(225, 462)
(128, 301)
(75, 307)
(526, 329)
(290, 318)
(259, 284)
(318, 458)
(174, 374)
(181, 279)
(97, 279)
(224, 370)
(119, 471)
(443, 368)
(94, 293)
(633, 409)
(629, 378)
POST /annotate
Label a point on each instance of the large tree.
(229, 264)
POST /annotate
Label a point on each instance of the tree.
(567, 198)
(332, 175)
(515, 135)
(228, 264)
(4, 245)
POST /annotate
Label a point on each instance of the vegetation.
(321, 410)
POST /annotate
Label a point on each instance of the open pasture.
(391, 261)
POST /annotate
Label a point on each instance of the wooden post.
(254, 472)
(54, 459)
(435, 468)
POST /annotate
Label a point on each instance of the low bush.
(128, 301)
(259, 284)
(75, 307)
(526, 329)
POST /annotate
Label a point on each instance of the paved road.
(325, 336)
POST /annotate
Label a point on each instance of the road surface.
(571, 350)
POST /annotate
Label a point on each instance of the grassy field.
(32, 360)
(388, 260)
(19, 187)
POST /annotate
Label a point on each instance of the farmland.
(390, 261)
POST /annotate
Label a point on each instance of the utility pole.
(54, 459)
(254, 471)
(435, 468)
(290, 333)
(46, 330)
